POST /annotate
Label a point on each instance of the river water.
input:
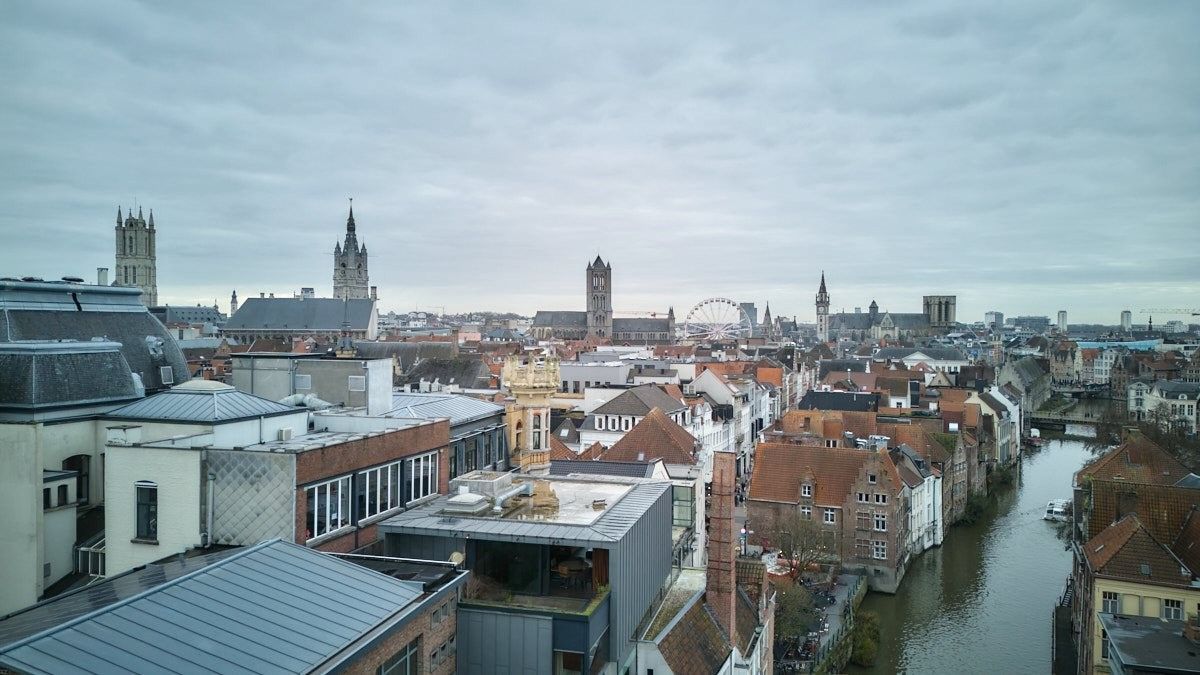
(981, 603)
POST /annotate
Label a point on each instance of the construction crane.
(1193, 312)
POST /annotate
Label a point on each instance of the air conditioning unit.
(284, 434)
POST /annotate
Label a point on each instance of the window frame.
(879, 549)
(407, 657)
(145, 501)
(420, 477)
(806, 490)
(385, 479)
(830, 517)
(1175, 612)
(312, 512)
(879, 522)
(1105, 599)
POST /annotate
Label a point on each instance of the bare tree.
(802, 542)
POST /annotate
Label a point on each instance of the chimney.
(374, 292)
(101, 276)
(721, 591)
(263, 295)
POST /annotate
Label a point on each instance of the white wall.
(21, 503)
(58, 537)
(177, 473)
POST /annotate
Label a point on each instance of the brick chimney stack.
(721, 591)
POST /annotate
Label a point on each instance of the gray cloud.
(1028, 157)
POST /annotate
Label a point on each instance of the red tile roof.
(1137, 460)
(655, 437)
(780, 468)
(1126, 550)
(1187, 542)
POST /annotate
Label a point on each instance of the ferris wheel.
(717, 319)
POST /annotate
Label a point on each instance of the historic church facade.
(350, 280)
(938, 317)
(137, 262)
(597, 320)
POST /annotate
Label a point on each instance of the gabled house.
(610, 421)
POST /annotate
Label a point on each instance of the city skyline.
(903, 150)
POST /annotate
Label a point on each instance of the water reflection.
(981, 602)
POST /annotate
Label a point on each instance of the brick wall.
(430, 637)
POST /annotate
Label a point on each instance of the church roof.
(302, 314)
(642, 325)
(566, 319)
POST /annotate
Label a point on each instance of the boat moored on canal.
(1058, 510)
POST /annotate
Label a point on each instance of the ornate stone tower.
(599, 303)
(822, 311)
(940, 310)
(532, 381)
(350, 265)
(136, 258)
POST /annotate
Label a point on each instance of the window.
(831, 442)
(422, 476)
(881, 522)
(806, 490)
(1103, 644)
(871, 478)
(806, 512)
(1172, 609)
(880, 498)
(488, 458)
(63, 498)
(403, 662)
(147, 510)
(378, 490)
(830, 516)
(303, 382)
(863, 520)
(1110, 603)
(863, 498)
(328, 507)
(357, 382)
(879, 550)
(47, 502)
(862, 548)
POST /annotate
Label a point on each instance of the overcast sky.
(1027, 156)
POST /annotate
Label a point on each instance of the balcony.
(556, 579)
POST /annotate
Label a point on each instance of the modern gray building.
(563, 569)
(478, 432)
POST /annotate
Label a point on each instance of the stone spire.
(152, 219)
(119, 219)
(350, 220)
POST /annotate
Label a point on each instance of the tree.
(794, 612)
(866, 639)
(1161, 428)
(801, 541)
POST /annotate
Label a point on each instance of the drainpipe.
(208, 525)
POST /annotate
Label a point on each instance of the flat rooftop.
(1151, 643)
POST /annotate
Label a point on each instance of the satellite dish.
(457, 558)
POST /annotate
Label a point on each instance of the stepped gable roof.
(1137, 460)
(302, 314)
(780, 468)
(1187, 542)
(556, 319)
(696, 642)
(205, 401)
(655, 437)
(639, 401)
(1126, 550)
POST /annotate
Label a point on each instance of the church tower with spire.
(350, 265)
(136, 257)
(822, 311)
(599, 299)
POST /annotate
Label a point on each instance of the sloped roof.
(696, 643)
(639, 401)
(779, 469)
(556, 319)
(837, 400)
(902, 353)
(61, 374)
(1137, 460)
(826, 366)
(746, 621)
(252, 611)
(601, 468)
(560, 451)
(465, 370)
(200, 401)
(1126, 550)
(645, 325)
(186, 314)
(408, 353)
(301, 314)
(1028, 370)
(458, 408)
(1162, 509)
(656, 436)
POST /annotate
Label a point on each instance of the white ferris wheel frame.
(712, 319)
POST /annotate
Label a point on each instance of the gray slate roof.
(566, 467)
(273, 608)
(862, 320)
(466, 370)
(900, 353)
(826, 366)
(609, 528)
(1028, 370)
(408, 353)
(185, 314)
(639, 401)
(300, 314)
(458, 408)
(555, 319)
(636, 325)
(60, 374)
(839, 400)
(201, 401)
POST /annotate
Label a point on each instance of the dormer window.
(806, 490)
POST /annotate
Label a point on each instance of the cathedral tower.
(822, 311)
(599, 303)
(136, 257)
(350, 265)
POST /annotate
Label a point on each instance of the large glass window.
(403, 662)
(1172, 609)
(420, 477)
(378, 490)
(328, 507)
(684, 506)
(147, 509)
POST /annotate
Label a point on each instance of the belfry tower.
(136, 258)
(599, 299)
(822, 311)
(350, 265)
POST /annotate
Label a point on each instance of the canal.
(981, 603)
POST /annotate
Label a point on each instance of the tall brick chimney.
(721, 591)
